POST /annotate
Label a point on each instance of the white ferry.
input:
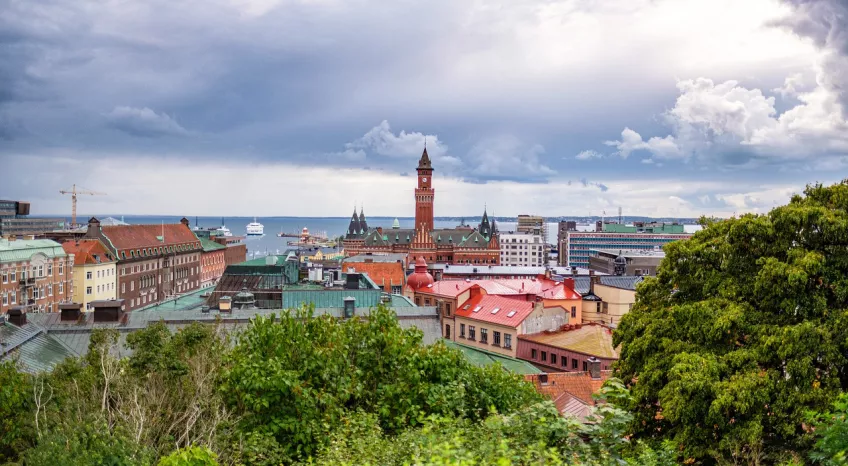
(255, 228)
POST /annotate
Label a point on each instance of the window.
(598, 307)
(88, 290)
(61, 287)
(40, 271)
(461, 330)
(5, 277)
(123, 288)
(447, 309)
(573, 312)
(61, 268)
(544, 356)
(533, 353)
(5, 300)
(574, 364)
(496, 338)
(484, 335)
(564, 361)
(471, 332)
(585, 366)
(132, 285)
(12, 275)
(606, 308)
(507, 340)
(447, 331)
(50, 290)
(553, 359)
(88, 275)
(50, 269)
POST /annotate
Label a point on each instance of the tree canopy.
(742, 332)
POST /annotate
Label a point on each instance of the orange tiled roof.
(88, 251)
(147, 236)
(576, 384)
(382, 273)
(540, 286)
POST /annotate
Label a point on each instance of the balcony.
(27, 281)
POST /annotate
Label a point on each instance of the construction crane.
(73, 192)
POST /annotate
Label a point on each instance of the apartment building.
(36, 275)
(95, 273)
(522, 249)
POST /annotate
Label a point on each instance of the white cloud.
(588, 154)
(631, 141)
(791, 87)
(381, 140)
(509, 157)
(144, 122)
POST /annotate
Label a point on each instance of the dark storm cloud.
(826, 23)
(144, 122)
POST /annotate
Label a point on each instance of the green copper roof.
(481, 358)
(396, 224)
(209, 245)
(23, 250)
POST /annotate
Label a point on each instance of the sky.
(665, 108)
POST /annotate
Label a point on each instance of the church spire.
(353, 228)
(363, 224)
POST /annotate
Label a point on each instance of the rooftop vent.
(477, 309)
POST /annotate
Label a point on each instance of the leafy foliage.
(297, 377)
(193, 456)
(16, 431)
(743, 330)
(88, 444)
(831, 428)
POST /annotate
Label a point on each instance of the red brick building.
(390, 276)
(35, 274)
(461, 245)
(154, 262)
(569, 349)
(213, 261)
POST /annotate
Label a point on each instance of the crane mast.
(74, 192)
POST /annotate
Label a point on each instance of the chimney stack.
(108, 310)
(16, 316)
(568, 282)
(594, 368)
(70, 311)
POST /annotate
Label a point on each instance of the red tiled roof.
(540, 286)
(85, 251)
(382, 273)
(448, 288)
(505, 306)
(147, 236)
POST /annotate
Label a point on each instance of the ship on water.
(255, 228)
(223, 230)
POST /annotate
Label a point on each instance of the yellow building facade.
(95, 272)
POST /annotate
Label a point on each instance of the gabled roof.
(571, 392)
(448, 288)
(589, 339)
(475, 240)
(381, 273)
(148, 236)
(485, 304)
(88, 251)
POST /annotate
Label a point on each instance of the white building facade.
(522, 249)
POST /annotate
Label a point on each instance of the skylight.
(477, 309)
(466, 306)
(495, 310)
(511, 313)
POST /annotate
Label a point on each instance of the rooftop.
(209, 245)
(387, 257)
(500, 310)
(482, 358)
(148, 236)
(571, 392)
(631, 252)
(23, 249)
(482, 269)
(625, 282)
(89, 251)
(539, 286)
(381, 273)
(589, 339)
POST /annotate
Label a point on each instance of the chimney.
(108, 310)
(594, 368)
(225, 304)
(574, 271)
(568, 282)
(184, 221)
(93, 225)
(16, 316)
(349, 307)
(593, 280)
(70, 311)
(474, 291)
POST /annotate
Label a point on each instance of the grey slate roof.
(33, 349)
(626, 282)
(377, 258)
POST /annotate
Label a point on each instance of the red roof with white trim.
(501, 310)
(543, 287)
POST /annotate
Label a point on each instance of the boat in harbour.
(223, 230)
(255, 228)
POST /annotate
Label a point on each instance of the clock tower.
(424, 195)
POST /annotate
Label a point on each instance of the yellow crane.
(73, 192)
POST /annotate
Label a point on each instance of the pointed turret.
(353, 228)
(363, 225)
(396, 224)
(485, 227)
(424, 162)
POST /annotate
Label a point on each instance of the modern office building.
(577, 244)
(15, 220)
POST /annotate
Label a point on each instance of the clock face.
(424, 179)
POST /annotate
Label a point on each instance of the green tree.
(742, 331)
(87, 444)
(831, 429)
(16, 421)
(296, 377)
